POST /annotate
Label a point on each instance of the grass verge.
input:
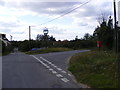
(96, 69)
(5, 53)
(48, 50)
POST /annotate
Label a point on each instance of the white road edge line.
(48, 62)
(40, 61)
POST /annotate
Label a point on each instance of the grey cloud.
(96, 10)
(9, 24)
(48, 4)
(43, 7)
(91, 10)
(8, 27)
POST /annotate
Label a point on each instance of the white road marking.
(55, 66)
(54, 72)
(59, 75)
(63, 71)
(47, 67)
(44, 64)
(40, 61)
(59, 69)
(49, 62)
(37, 59)
(64, 79)
(51, 69)
(52, 64)
(44, 59)
(69, 75)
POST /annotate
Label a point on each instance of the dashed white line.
(52, 64)
(51, 69)
(49, 62)
(63, 71)
(55, 66)
(54, 72)
(64, 79)
(44, 64)
(69, 75)
(48, 67)
(59, 75)
(44, 59)
(59, 69)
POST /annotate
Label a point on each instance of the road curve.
(38, 71)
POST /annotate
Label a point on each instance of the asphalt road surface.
(38, 71)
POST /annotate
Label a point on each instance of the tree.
(24, 46)
(52, 38)
(39, 37)
(104, 33)
(45, 40)
(87, 36)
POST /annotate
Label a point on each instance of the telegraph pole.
(116, 44)
(29, 33)
(29, 37)
(115, 29)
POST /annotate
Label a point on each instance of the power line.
(66, 13)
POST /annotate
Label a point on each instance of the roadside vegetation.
(48, 50)
(5, 50)
(96, 69)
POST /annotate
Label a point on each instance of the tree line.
(104, 33)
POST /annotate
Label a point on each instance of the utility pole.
(29, 33)
(116, 44)
(29, 37)
(115, 27)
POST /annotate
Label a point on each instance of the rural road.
(49, 70)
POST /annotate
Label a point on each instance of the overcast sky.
(17, 15)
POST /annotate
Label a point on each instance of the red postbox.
(99, 44)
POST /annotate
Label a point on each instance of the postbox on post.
(99, 44)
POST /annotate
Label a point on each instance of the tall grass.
(96, 69)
